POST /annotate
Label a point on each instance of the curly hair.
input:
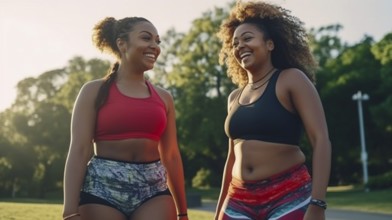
(286, 31)
(105, 34)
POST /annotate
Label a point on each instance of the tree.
(355, 68)
(191, 70)
(37, 127)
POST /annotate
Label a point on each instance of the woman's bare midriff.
(131, 150)
(258, 160)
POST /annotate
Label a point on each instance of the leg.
(222, 210)
(100, 212)
(293, 205)
(158, 208)
(232, 211)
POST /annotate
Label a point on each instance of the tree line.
(35, 131)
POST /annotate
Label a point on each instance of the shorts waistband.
(275, 177)
(127, 162)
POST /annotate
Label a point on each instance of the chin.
(149, 66)
(246, 66)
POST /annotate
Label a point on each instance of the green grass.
(30, 209)
(351, 198)
(342, 197)
(347, 198)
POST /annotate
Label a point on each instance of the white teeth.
(245, 54)
(150, 55)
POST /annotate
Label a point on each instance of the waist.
(128, 150)
(124, 136)
(115, 161)
(298, 170)
(294, 180)
(257, 160)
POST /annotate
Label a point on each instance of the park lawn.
(29, 211)
(346, 198)
(351, 198)
(37, 210)
(342, 197)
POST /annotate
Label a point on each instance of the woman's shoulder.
(293, 79)
(93, 84)
(161, 91)
(92, 87)
(234, 94)
(292, 76)
(165, 95)
(292, 72)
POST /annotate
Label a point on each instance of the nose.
(154, 45)
(239, 45)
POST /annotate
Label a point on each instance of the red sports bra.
(123, 117)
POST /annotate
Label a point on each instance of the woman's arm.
(226, 178)
(227, 171)
(171, 158)
(308, 105)
(81, 146)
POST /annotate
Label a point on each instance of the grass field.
(347, 198)
(30, 210)
(350, 198)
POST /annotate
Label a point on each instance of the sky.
(41, 35)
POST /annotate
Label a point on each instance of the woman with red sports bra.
(123, 161)
(267, 55)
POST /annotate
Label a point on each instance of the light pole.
(359, 97)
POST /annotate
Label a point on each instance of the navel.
(249, 169)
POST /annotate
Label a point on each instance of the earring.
(270, 45)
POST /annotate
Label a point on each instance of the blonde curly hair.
(286, 31)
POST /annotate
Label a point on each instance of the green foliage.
(192, 72)
(382, 113)
(325, 43)
(355, 68)
(202, 179)
(36, 128)
(383, 50)
(383, 181)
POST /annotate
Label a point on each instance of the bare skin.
(137, 56)
(132, 150)
(264, 159)
(257, 160)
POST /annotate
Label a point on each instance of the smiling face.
(250, 48)
(141, 50)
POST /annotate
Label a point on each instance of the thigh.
(100, 212)
(158, 208)
(222, 209)
(232, 211)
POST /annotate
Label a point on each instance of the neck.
(251, 80)
(125, 73)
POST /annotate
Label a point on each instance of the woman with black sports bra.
(134, 171)
(267, 55)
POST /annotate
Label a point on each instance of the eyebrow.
(149, 33)
(246, 32)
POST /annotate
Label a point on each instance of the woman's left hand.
(314, 213)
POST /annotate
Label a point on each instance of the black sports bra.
(265, 119)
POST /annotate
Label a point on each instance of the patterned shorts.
(122, 185)
(284, 196)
